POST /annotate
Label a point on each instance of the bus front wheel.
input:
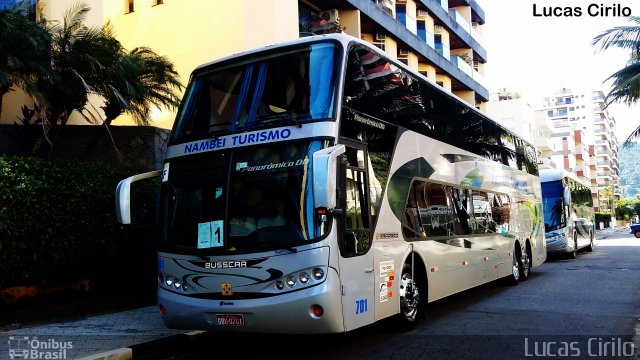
(590, 247)
(574, 254)
(411, 299)
(516, 267)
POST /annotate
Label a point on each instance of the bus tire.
(574, 253)
(412, 300)
(516, 267)
(589, 248)
(525, 268)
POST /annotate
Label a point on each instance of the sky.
(539, 55)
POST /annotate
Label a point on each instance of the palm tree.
(138, 80)
(141, 79)
(80, 58)
(24, 51)
(626, 82)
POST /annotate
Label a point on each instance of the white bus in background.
(569, 216)
(318, 186)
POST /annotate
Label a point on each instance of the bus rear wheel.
(525, 269)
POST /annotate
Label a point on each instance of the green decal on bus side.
(401, 180)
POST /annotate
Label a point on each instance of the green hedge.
(57, 220)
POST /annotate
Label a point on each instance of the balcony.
(443, 50)
(460, 20)
(476, 36)
(462, 65)
(479, 78)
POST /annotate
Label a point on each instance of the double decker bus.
(318, 186)
(569, 216)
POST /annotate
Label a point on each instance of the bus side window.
(410, 220)
(356, 237)
(437, 214)
(482, 219)
(501, 213)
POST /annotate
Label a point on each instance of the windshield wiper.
(288, 117)
(289, 248)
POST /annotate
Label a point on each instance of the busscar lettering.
(225, 264)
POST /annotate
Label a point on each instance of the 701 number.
(361, 306)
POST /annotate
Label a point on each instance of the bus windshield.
(271, 89)
(252, 199)
(552, 205)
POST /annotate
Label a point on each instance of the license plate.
(230, 320)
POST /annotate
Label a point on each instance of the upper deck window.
(272, 89)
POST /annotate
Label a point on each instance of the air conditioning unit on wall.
(332, 16)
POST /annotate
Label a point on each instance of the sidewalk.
(111, 336)
(77, 339)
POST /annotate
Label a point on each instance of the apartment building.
(584, 141)
(519, 115)
(439, 38)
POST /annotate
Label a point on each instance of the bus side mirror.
(325, 176)
(123, 195)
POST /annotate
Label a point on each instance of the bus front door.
(356, 259)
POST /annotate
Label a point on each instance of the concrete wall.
(140, 147)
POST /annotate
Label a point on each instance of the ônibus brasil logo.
(24, 347)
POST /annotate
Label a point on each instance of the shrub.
(57, 220)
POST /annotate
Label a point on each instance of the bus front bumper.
(291, 313)
(558, 244)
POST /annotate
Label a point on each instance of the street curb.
(117, 354)
(150, 349)
(613, 231)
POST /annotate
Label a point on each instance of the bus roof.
(346, 39)
(557, 174)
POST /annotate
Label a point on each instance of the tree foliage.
(60, 64)
(24, 50)
(626, 81)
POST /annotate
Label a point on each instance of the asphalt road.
(585, 308)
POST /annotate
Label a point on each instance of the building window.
(421, 30)
(401, 14)
(128, 6)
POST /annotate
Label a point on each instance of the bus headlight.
(304, 277)
(300, 279)
(279, 285)
(317, 273)
(168, 281)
